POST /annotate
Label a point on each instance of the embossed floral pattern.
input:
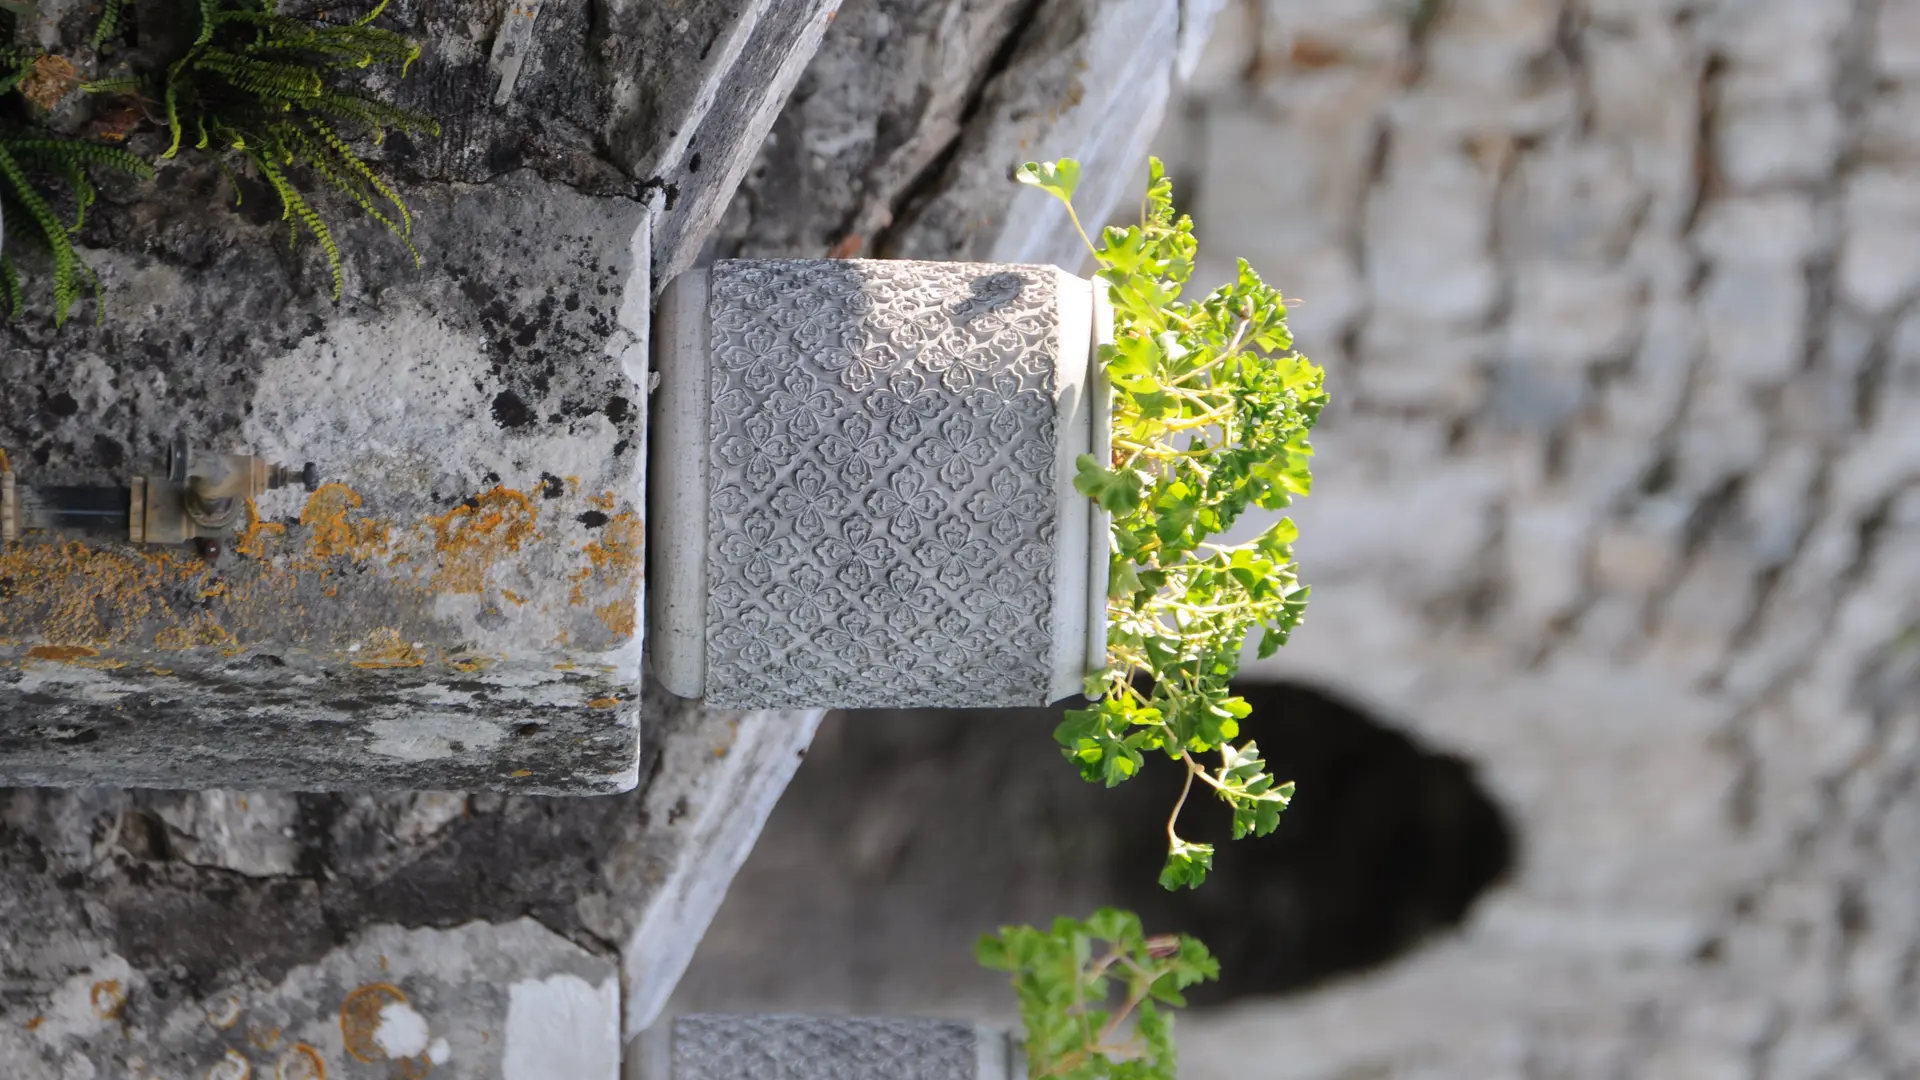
(881, 491)
(811, 500)
(955, 451)
(1007, 506)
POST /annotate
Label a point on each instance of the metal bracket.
(198, 496)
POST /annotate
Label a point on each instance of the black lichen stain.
(592, 519)
(551, 486)
(62, 404)
(511, 412)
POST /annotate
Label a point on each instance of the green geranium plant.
(1098, 1015)
(1211, 409)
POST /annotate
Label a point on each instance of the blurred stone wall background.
(1616, 502)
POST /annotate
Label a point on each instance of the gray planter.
(862, 477)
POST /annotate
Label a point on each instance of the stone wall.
(1616, 500)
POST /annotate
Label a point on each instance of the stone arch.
(906, 834)
(1387, 843)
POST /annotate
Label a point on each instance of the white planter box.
(862, 484)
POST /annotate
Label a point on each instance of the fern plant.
(27, 160)
(23, 158)
(264, 85)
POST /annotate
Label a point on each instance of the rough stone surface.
(851, 1048)
(903, 134)
(188, 900)
(458, 607)
(511, 1000)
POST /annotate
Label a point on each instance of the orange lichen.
(300, 1062)
(264, 1038)
(253, 535)
(605, 501)
(108, 999)
(619, 617)
(360, 1018)
(49, 79)
(61, 654)
(200, 632)
(518, 773)
(478, 533)
(513, 597)
(614, 560)
(467, 662)
(334, 532)
(33, 1023)
(385, 648)
(74, 594)
(604, 703)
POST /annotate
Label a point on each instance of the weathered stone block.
(512, 1001)
(456, 606)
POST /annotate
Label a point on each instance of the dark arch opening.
(1386, 844)
(908, 833)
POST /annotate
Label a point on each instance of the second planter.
(862, 477)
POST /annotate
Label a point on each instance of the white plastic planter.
(862, 484)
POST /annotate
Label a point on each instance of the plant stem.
(1173, 818)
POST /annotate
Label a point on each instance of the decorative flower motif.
(761, 449)
(904, 503)
(801, 405)
(903, 597)
(726, 599)
(953, 650)
(857, 554)
(729, 499)
(806, 597)
(1004, 601)
(1035, 455)
(955, 451)
(906, 405)
(1003, 405)
(734, 404)
(754, 288)
(1004, 507)
(1031, 557)
(759, 360)
(757, 549)
(853, 634)
(857, 449)
(752, 634)
(953, 554)
(810, 501)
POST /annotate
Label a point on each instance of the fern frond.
(352, 160)
(267, 79)
(10, 292)
(66, 288)
(60, 150)
(109, 23)
(294, 206)
(129, 85)
(375, 115)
